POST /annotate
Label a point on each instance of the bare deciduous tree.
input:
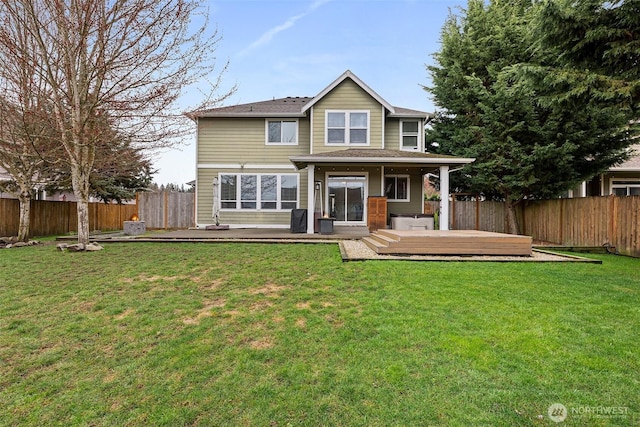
(128, 60)
(28, 137)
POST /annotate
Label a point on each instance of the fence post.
(614, 219)
(166, 210)
(477, 212)
(453, 211)
(561, 222)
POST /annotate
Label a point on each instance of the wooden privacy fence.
(158, 210)
(473, 215)
(588, 221)
(52, 217)
(166, 209)
(585, 221)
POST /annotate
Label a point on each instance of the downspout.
(311, 130)
(195, 207)
(384, 120)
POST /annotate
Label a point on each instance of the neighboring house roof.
(298, 106)
(630, 165)
(373, 155)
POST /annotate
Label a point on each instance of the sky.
(280, 48)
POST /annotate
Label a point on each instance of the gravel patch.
(356, 250)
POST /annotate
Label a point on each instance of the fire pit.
(134, 227)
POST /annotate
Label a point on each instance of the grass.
(275, 335)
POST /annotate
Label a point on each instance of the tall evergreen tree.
(595, 46)
(524, 148)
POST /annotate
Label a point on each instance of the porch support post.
(444, 197)
(311, 178)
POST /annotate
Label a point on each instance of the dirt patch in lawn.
(210, 286)
(303, 305)
(124, 314)
(260, 306)
(206, 311)
(269, 290)
(261, 343)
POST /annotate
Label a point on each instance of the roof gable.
(298, 106)
(348, 75)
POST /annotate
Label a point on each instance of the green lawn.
(282, 334)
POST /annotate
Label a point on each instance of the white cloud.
(271, 33)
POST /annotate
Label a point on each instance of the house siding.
(347, 96)
(242, 140)
(392, 134)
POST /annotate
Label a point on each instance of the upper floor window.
(347, 127)
(282, 132)
(410, 135)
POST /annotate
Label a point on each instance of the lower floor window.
(396, 187)
(259, 191)
(626, 188)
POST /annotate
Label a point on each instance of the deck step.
(374, 244)
(384, 239)
(456, 242)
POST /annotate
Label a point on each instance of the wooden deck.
(452, 242)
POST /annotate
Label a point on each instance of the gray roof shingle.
(289, 106)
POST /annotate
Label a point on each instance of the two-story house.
(327, 154)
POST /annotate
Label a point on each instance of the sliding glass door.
(346, 198)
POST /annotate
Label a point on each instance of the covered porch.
(365, 187)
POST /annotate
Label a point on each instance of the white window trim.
(419, 134)
(258, 201)
(408, 199)
(266, 132)
(625, 183)
(346, 142)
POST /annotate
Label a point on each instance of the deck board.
(449, 242)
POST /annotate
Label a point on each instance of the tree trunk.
(25, 216)
(512, 219)
(81, 191)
